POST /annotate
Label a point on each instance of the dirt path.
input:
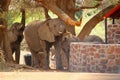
(34, 74)
(9, 67)
(23, 53)
(57, 76)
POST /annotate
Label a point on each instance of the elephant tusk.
(60, 32)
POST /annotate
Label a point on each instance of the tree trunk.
(93, 22)
(63, 11)
(6, 47)
(5, 41)
(4, 4)
(68, 8)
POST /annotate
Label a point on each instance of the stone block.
(88, 58)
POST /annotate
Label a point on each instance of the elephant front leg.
(34, 59)
(47, 57)
(17, 55)
(67, 56)
(58, 56)
(47, 61)
(45, 49)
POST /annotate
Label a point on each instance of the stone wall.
(86, 57)
(113, 33)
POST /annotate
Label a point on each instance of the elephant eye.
(54, 26)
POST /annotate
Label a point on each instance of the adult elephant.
(40, 36)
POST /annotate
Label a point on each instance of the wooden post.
(113, 21)
(106, 30)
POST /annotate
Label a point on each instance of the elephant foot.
(46, 68)
(36, 66)
(59, 68)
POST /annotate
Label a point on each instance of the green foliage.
(78, 14)
(99, 30)
(13, 16)
(34, 14)
(31, 14)
(87, 15)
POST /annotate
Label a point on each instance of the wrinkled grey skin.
(93, 39)
(39, 47)
(67, 40)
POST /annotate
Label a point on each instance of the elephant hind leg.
(34, 59)
(34, 62)
(39, 60)
(41, 56)
(17, 55)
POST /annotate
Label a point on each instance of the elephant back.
(93, 39)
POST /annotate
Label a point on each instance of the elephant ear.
(45, 33)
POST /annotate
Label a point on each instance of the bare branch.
(4, 4)
(59, 12)
(86, 7)
(88, 27)
(46, 13)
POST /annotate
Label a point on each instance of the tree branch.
(46, 13)
(88, 27)
(86, 7)
(4, 4)
(59, 12)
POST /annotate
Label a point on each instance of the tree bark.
(4, 5)
(6, 48)
(68, 8)
(2, 28)
(93, 22)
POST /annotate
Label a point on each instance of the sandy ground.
(57, 76)
(22, 56)
(23, 53)
(54, 74)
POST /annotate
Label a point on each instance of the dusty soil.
(57, 76)
(23, 72)
(22, 67)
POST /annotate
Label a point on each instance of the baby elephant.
(40, 36)
(93, 39)
(68, 38)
